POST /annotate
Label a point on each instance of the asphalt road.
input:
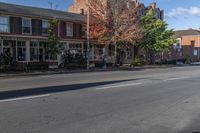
(148, 101)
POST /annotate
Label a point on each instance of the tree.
(114, 22)
(53, 47)
(156, 37)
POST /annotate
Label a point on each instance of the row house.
(159, 14)
(97, 52)
(80, 6)
(24, 32)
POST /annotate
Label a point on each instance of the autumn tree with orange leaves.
(115, 22)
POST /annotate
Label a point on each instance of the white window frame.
(75, 48)
(42, 26)
(22, 47)
(8, 23)
(30, 26)
(36, 51)
(72, 32)
(84, 29)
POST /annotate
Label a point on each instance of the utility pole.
(88, 36)
(116, 26)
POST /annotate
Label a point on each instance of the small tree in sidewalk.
(53, 47)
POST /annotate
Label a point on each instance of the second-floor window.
(69, 29)
(45, 26)
(192, 43)
(84, 31)
(4, 24)
(26, 26)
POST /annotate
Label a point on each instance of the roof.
(39, 12)
(189, 32)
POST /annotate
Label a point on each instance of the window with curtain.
(69, 29)
(45, 26)
(26, 26)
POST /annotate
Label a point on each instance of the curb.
(4, 76)
(52, 73)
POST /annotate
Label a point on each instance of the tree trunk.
(136, 48)
(152, 58)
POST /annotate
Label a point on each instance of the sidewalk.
(67, 71)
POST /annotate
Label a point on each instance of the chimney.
(162, 16)
(153, 5)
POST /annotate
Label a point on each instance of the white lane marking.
(178, 78)
(117, 86)
(24, 98)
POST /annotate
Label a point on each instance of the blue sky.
(179, 14)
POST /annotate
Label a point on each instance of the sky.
(179, 14)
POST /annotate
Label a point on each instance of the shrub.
(166, 62)
(37, 66)
(6, 62)
(136, 62)
(187, 60)
(71, 60)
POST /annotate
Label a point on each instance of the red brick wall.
(16, 28)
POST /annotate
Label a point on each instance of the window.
(37, 51)
(1, 47)
(195, 53)
(69, 29)
(84, 31)
(75, 48)
(21, 51)
(128, 5)
(129, 53)
(45, 26)
(82, 11)
(4, 24)
(34, 51)
(26, 26)
(192, 43)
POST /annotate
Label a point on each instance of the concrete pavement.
(150, 101)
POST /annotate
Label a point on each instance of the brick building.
(189, 41)
(80, 6)
(23, 32)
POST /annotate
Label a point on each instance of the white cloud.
(194, 11)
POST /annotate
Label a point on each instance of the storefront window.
(34, 51)
(1, 51)
(129, 53)
(14, 51)
(21, 51)
(98, 52)
(37, 51)
(6, 47)
(41, 52)
(75, 48)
